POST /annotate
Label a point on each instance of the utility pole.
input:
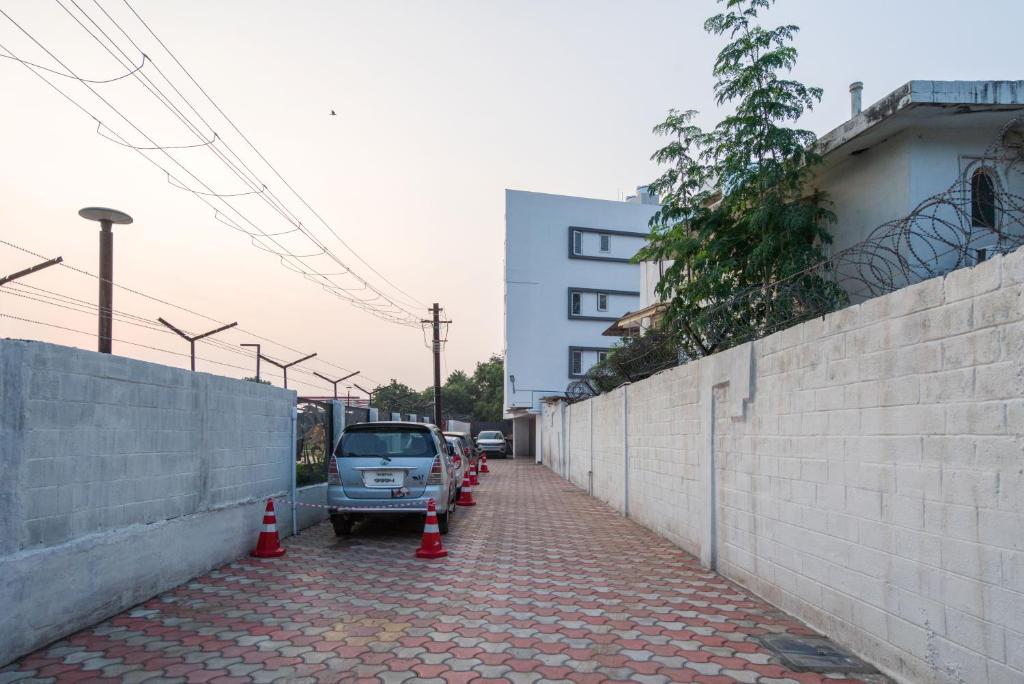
(254, 344)
(285, 366)
(107, 218)
(436, 322)
(31, 269)
(335, 382)
(192, 339)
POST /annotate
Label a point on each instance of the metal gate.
(356, 414)
(313, 430)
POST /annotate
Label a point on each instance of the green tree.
(425, 402)
(489, 388)
(458, 394)
(737, 216)
(396, 397)
(466, 397)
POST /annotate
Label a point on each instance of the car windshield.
(397, 441)
(490, 435)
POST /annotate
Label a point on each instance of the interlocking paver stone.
(542, 583)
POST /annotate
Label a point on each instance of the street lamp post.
(107, 218)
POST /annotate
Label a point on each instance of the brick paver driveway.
(542, 583)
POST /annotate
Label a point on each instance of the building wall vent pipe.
(856, 88)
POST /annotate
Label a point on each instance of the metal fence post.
(295, 463)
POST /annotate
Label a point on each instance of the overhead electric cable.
(166, 100)
(255, 185)
(262, 157)
(370, 305)
(78, 78)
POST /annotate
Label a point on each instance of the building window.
(606, 243)
(602, 301)
(577, 242)
(602, 356)
(575, 303)
(577, 363)
(983, 199)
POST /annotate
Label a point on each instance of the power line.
(260, 154)
(83, 80)
(166, 100)
(372, 305)
(77, 104)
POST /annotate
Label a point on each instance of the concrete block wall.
(122, 479)
(580, 426)
(864, 472)
(663, 428)
(553, 445)
(311, 494)
(608, 436)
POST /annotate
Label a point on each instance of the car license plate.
(383, 478)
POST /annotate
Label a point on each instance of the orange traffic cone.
(483, 464)
(431, 547)
(269, 545)
(466, 495)
(472, 475)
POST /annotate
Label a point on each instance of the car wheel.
(342, 526)
(442, 522)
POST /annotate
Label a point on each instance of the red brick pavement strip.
(542, 583)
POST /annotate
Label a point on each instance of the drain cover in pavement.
(813, 654)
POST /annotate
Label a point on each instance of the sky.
(439, 106)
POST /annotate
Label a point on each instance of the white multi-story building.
(568, 276)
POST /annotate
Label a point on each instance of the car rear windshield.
(490, 435)
(396, 441)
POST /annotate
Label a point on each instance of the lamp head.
(103, 214)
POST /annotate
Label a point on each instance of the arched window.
(983, 199)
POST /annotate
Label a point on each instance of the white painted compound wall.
(121, 479)
(864, 471)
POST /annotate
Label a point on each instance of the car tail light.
(435, 472)
(333, 476)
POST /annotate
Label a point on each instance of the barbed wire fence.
(981, 214)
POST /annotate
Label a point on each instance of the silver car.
(465, 443)
(458, 463)
(391, 468)
(492, 443)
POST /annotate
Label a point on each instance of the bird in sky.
(333, 113)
